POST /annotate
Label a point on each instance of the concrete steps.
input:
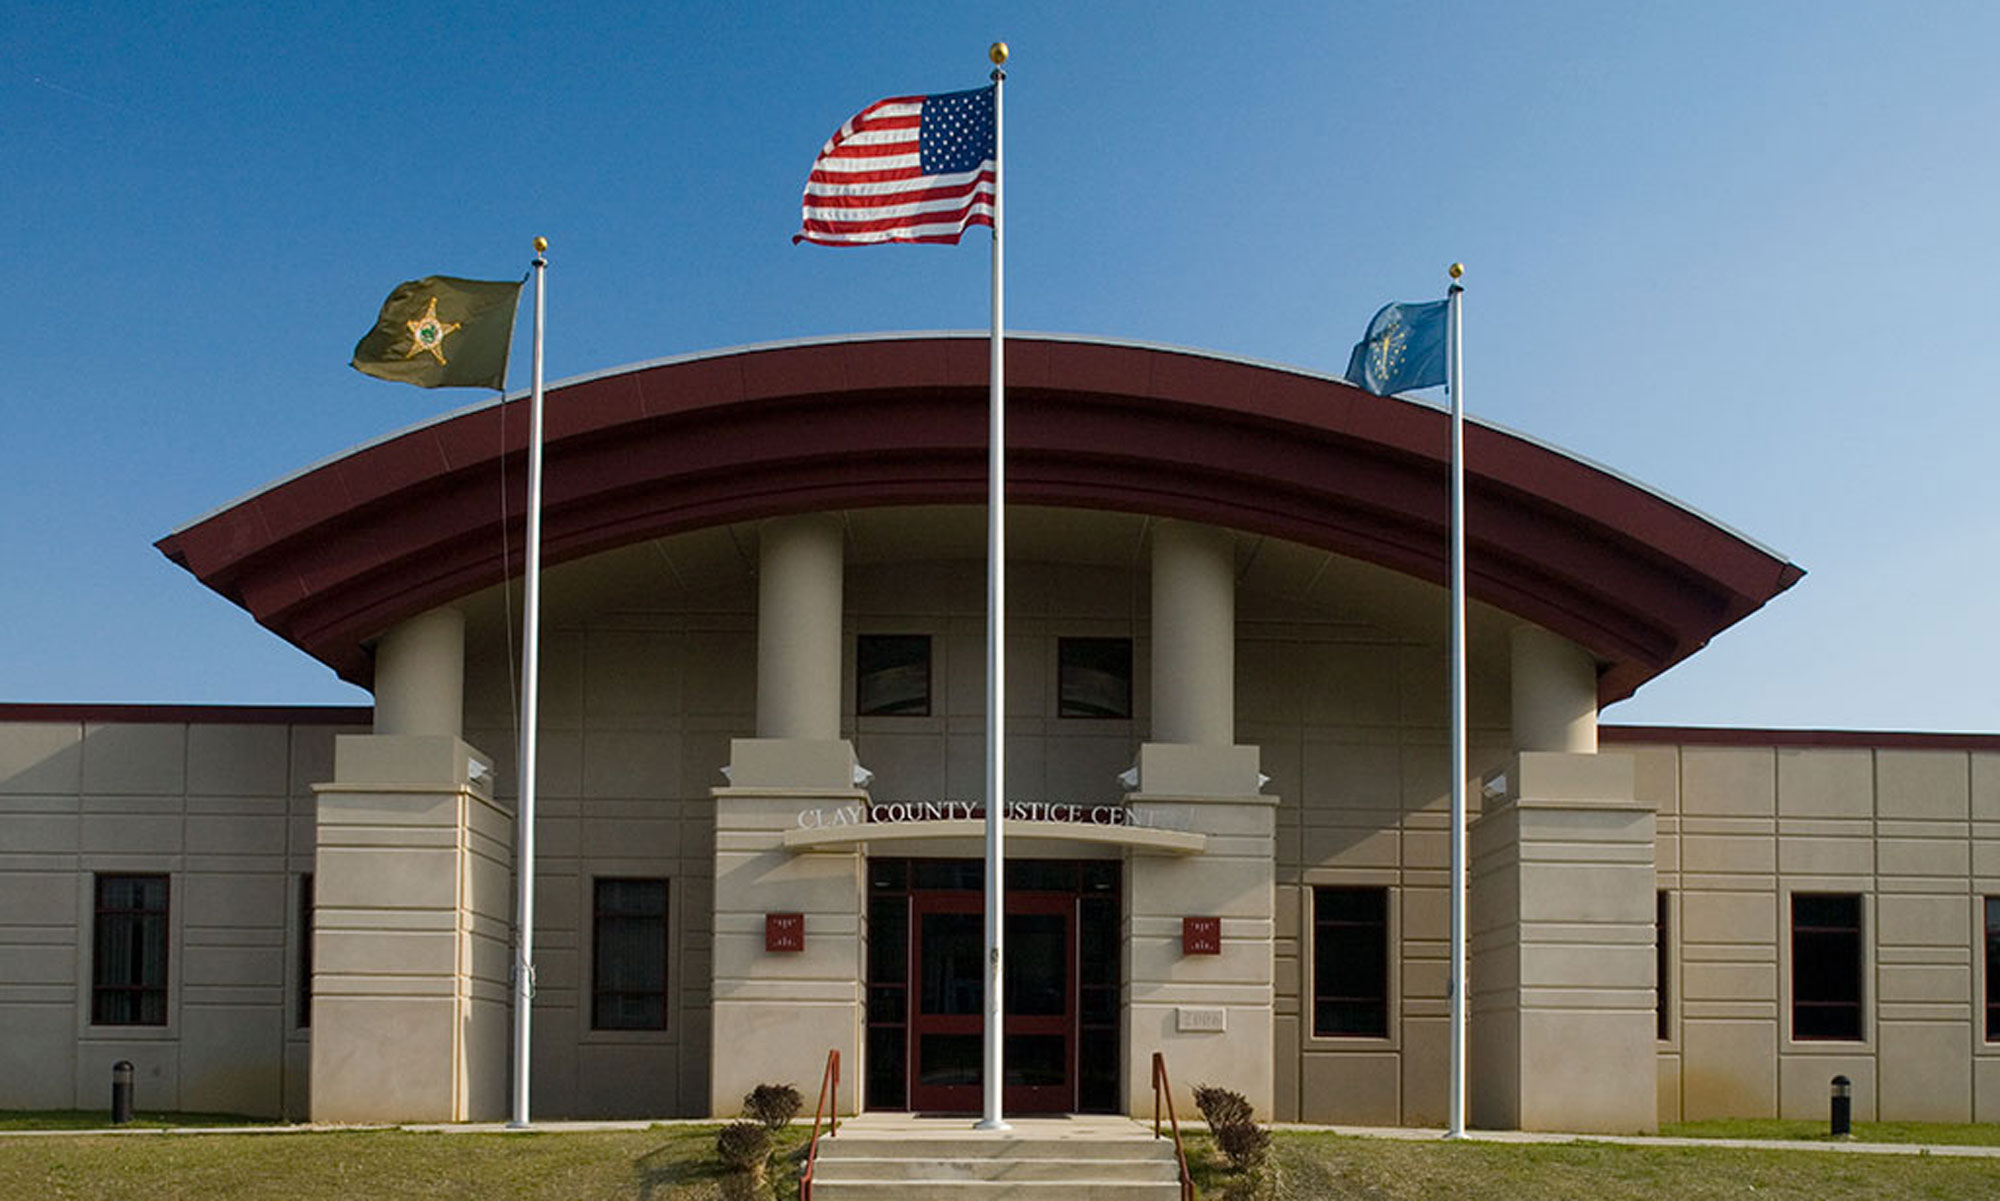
(895, 1157)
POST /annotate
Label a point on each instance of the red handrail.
(1161, 1085)
(829, 1100)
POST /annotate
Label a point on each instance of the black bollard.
(121, 1092)
(1841, 1119)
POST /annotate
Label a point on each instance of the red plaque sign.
(784, 932)
(1201, 936)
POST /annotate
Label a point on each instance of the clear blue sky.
(1744, 253)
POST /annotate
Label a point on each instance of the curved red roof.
(333, 556)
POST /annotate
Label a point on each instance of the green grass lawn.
(667, 1164)
(677, 1163)
(1308, 1165)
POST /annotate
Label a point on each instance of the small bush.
(744, 1146)
(1230, 1120)
(1245, 1143)
(1221, 1107)
(775, 1105)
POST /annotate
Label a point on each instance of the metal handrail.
(829, 1101)
(1161, 1085)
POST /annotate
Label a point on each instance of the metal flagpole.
(531, 617)
(1455, 372)
(996, 650)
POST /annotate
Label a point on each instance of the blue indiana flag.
(1403, 350)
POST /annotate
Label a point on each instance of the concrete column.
(411, 924)
(800, 565)
(1554, 693)
(1210, 1014)
(775, 1014)
(1562, 1024)
(420, 676)
(1193, 749)
(1194, 634)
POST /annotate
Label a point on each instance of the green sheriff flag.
(442, 332)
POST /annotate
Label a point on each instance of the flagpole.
(996, 650)
(531, 620)
(1455, 371)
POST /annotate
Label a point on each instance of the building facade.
(761, 775)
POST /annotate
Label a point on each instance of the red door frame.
(1015, 1098)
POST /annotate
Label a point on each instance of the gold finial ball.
(1457, 269)
(541, 244)
(997, 52)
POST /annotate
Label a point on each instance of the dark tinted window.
(1094, 677)
(892, 675)
(629, 955)
(305, 993)
(1661, 961)
(1826, 966)
(1993, 969)
(129, 964)
(1351, 962)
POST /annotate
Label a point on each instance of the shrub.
(1245, 1143)
(1229, 1118)
(744, 1146)
(775, 1105)
(1221, 1107)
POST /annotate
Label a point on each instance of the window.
(892, 675)
(129, 968)
(1826, 966)
(304, 999)
(629, 955)
(1351, 962)
(1993, 969)
(1663, 1029)
(1093, 677)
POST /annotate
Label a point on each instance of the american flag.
(905, 169)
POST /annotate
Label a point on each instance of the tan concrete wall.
(638, 709)
(1350, 725)
(943, 756)
(226, 812)
(642, 700)
(1915, 832)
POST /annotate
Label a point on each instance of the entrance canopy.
(332, 557)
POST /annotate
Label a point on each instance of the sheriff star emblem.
(428, 332)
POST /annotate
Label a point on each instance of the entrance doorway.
(927, 943)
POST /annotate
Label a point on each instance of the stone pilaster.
(776, 1013)
(1210, 1014)
(1561, 923)
(410, 935)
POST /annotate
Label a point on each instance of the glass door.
(946, 1048)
